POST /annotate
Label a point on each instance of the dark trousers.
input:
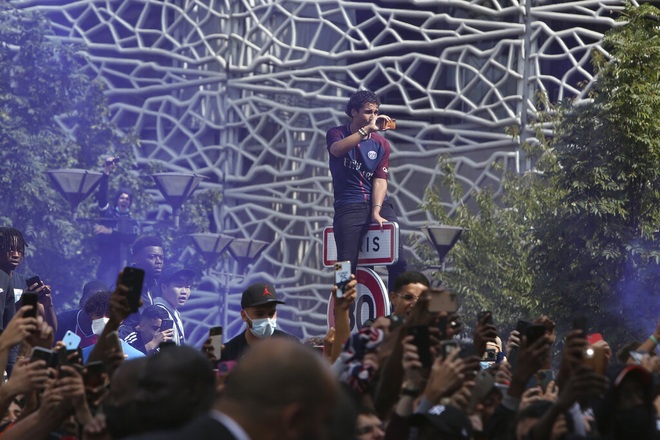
(351, 223)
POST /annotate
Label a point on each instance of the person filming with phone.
(12, 253)
(150, 332)
(359, 164)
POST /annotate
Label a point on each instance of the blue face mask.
(262, 328)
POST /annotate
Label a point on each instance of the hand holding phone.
(71, 340)
(113, 338)
(34, 280)
(543, 378)
(41, 354)
(638, 356)
(422, 341)
(534, 332)
(30, 299)
(166, 324)
(386, 124)
(133, 279)
(486, 316)
(595, 358)
(447, 347)
(62, 359)
(342, 276)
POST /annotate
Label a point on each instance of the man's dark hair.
(146, 241)
(277, 374)
(360, 98)
(365, 410)
(190, 394)
(89, 289)
(410, 277)
(126, 191)
(98, 304)
(12, 239)
(154, 312)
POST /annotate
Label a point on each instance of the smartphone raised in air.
(71, 340)
(215, 335)
(133, 279)
(422, 341)
(30, 299)
(342, 276)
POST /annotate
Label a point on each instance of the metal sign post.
(379, 247)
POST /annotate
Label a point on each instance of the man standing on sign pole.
(359, 162)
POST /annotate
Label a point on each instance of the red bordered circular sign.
(372, 300)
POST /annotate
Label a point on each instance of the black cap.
(447, 420)
(173, 272)
(259, 294)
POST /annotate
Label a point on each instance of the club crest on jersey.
(371, 155)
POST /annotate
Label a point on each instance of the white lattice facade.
(243, 92)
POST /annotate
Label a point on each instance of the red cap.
(594, 337)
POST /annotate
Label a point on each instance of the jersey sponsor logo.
(371, 155)
(355, 165)
(385, 170)
(352, 164)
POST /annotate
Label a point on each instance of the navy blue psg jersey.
(353, 173)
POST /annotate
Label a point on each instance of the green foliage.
(41, 85)
(488, 265)
(599, 246)
(578, 236)
(52, 115)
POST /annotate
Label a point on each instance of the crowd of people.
(409, 375)
(111, 369)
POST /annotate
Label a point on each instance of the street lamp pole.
(75, 185)
(244, 250)
(176, 188)
(443, 238)
(211, 246)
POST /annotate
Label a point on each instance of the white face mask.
(98, 325)
(262, 328)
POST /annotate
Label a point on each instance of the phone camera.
(490, 355)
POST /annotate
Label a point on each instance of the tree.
(578, 235)
(42, 86)
(53, 115)
(600, 243)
